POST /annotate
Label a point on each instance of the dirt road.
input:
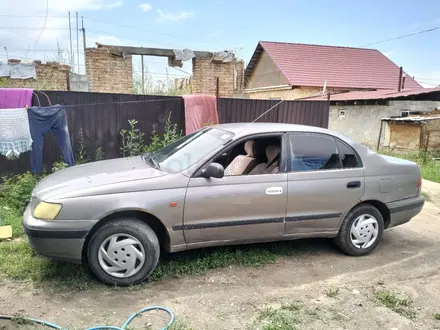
(321, 287)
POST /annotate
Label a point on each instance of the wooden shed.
(412, 133)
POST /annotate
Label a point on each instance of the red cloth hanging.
(199, 111)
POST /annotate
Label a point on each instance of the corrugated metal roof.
(375, 95)
(343, 67)
(412, 118)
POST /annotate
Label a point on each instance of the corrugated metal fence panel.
(313, 113)
(100, 117)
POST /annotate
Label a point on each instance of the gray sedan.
(222, 185)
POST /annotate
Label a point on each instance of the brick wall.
(205, 73)
(109, 73)
(50, 76)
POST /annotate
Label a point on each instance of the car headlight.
(47, 211)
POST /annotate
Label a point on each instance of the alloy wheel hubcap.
(364, 231)
(121, 255)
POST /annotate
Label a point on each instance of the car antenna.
(267, 111)
(244, 127)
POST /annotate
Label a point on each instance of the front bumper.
(404, 210)
(57, 239)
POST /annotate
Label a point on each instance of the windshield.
(190, 149)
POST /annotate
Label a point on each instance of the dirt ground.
(329, 289)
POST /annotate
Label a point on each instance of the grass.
(284, 318)
(398, 304)
(19, 262)
(332, 293)
(430, 168)
(437, 316)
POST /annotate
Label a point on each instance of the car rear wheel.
(123, 252)
(361, 230)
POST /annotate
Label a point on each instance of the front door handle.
(274, 191)
(353, 184)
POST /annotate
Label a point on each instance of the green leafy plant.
(171, 134)
(58, 166)
(81, 152)
(16, 191)
(132, 140)
(437, 316)
(99, 154)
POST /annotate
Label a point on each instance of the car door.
(325, 179)
(235, 208)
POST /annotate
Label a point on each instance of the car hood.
(94, 174)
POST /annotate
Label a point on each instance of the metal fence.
(99, 118)
(313, 113)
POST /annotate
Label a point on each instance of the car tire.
(354, 235)
(129, 262)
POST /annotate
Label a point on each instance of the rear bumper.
(58, 239)
(404, 210)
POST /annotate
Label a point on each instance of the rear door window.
(348, 157)
(313, 152)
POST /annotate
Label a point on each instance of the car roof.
(244, 129)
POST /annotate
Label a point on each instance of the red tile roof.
(374, 95)
(344, 67)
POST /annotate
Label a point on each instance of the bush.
(58, 166)
(16, 191)
(133, 139)
(171, 134)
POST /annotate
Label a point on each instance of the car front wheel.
(361, 230)
(123, 252)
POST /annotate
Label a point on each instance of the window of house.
(312, 152)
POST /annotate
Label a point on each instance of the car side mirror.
(213, 170)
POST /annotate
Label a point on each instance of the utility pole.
(143, 74)
(84, 44)
(71, 50)
(77, 40)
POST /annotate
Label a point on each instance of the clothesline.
(121, 102)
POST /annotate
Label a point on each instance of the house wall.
(50, 76)
(205, 73)
(362, 122)
(266, 73)
(108, 73)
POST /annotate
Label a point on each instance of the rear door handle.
(353, 184)
(274, 191)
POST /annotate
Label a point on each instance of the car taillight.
(419, 184)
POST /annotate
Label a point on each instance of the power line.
(29, 28)
(400, 37)
(149, 31)
(32, 16)
(105, 33)
(44, 26)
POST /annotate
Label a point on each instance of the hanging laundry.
(15, 136)
(22, 70)
(199, 111)
(11, 98)
(4, 69)
(41, 120)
